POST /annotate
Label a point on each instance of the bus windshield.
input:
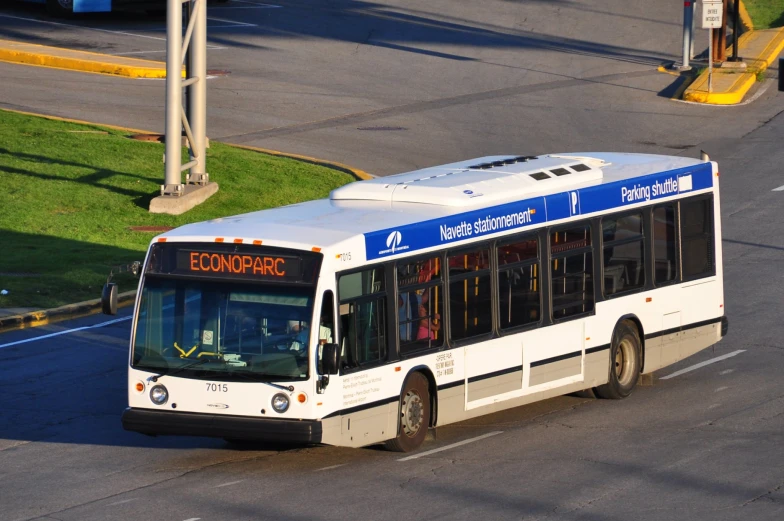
(235, 331)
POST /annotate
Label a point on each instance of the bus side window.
(470, 302)
(696, 219)
(518, 283)
(571, 271)
(624, 253)
(665, 245)
(363, 317)
(419, 305)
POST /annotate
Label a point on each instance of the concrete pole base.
(741, 65)
(192, 196)
(681, 68)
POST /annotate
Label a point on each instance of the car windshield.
(235, 330)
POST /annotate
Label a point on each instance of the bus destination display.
(245, 265)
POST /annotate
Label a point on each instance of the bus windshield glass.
(235, 331)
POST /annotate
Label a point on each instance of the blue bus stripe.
(523, 214)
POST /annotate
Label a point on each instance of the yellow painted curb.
(745, 19)
(67, 312)
(359, 174)
(78, 121)
(772, 50)
(665, 70)
(47, 57)
(698, 91)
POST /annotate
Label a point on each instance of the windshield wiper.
(181, 368)
(256, 378)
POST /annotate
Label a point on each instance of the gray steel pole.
(691, 28)
(173, 158)
(197, 94)
(735, 30)
(688, 21)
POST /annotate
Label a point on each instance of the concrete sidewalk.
(82, 61)
(758, 49)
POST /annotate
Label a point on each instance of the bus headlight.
(280, 402)
(159, 394)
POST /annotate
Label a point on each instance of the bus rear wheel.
(414, 415)
(624, 371)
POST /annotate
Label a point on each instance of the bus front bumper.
(162, 423)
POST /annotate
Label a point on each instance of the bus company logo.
(394, 243)
(218, 405)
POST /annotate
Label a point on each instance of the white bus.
(427, 298)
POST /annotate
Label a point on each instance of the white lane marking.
(121, 502)
(230, 26)
(720, 389)
(65, 332)
(714, 406)
(726, 371)
(230, 483)
(779, 189)
(81, 27)
(331, 467)
(703, 364)
(229, 22)
(447, 447)
(193, 519)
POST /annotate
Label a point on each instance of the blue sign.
(538, 210)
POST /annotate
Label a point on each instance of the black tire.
(624, 368)
(60, 8)
(414, 415)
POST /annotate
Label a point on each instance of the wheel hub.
(412, 413)
(623, 361)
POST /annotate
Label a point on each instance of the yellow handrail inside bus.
(183, 354)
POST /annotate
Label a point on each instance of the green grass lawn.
(70, 193)
(765, 13)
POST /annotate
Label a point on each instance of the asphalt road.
(393, 86)
(703, 445)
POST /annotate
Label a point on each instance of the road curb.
(69, 311)
(80, 61)
(89, 307)
(741, 81)
(360, 175)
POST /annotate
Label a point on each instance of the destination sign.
(243, 264)
(219, 261)
(234, 263)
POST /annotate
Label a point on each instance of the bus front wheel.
(59, 8)
(414, 415)
(624, 371)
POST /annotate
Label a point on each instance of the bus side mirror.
(329, 358)
(109, 299)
